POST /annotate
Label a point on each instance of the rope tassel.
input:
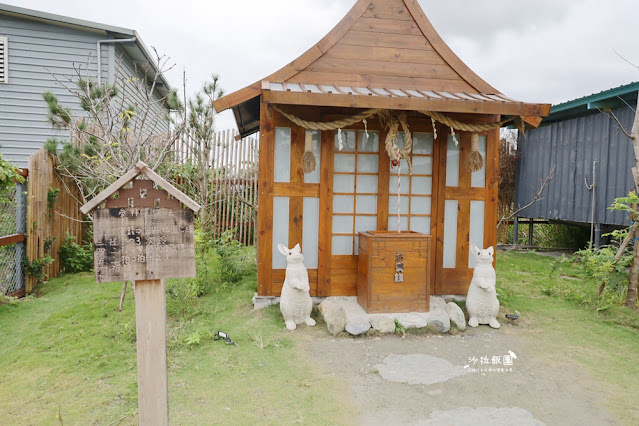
(474, 161)
(308, 158)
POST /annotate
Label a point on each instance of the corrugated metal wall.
(572, 146)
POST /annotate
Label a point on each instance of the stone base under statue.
(343, 313)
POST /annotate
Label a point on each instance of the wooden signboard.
(144, 236)
(143, 244)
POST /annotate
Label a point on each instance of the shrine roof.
(382, 54)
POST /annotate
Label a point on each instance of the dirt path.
(542, 387)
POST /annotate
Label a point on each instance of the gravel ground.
(440, 379)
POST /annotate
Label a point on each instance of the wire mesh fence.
(13, 208)
(547, 235)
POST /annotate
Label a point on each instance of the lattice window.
(416, 189)
(354, 189)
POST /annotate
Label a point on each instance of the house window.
(4, 60)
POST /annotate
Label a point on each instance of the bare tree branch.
(626, 60)
(612, 114)
(241, 198)
(121, 123)
(538, 196)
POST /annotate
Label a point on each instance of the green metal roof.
(606, 99)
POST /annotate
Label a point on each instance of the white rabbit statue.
(295, 302)
(481, 303)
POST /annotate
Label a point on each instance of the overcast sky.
(537, 51)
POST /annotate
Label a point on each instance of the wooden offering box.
(393, 272)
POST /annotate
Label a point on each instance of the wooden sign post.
(144, 236)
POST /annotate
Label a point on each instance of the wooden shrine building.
(382, 83)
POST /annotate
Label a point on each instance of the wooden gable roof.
(379, 44)
(140, 169)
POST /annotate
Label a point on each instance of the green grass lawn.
(69, 349)
(604, 341)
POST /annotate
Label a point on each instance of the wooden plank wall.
(44, 223)
(235, 180)
(386, 46)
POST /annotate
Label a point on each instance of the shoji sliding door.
(355, 200)
(467, 213)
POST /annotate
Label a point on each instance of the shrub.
(8, 174)
(182, 297)
(219, 265)
(75, 257)
(234, 259)
(595, 267)
(37, 268)
(602, 267)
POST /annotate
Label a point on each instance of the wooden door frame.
(456, 280)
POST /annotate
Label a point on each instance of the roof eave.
(145, 51)
(406, 103)
(233, 99)
(628, 89)
(65, 20)
(592, 104)
(84, 25)
(530, 112)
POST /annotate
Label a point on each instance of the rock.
(448, 298)
(351, 307)
(456, 315)
(439, 321)
(356, 317)
(412, 320)
(357, 326)
(382, 323)
(334, 316)
(454, 297)
(437, 304)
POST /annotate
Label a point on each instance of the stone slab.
(418, 369)
(261, 302)
(482, 416)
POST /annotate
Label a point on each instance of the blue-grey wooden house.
(35, 46)
(587, 147)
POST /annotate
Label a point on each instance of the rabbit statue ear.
(283, 249)
(474, 250)
(297, 248)
(491, 250)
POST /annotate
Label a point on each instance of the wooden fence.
(234, 166)
(51, 213)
